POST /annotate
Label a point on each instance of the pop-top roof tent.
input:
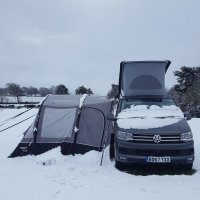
(141, 78)
(76, 123)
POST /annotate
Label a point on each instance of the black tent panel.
(24, 149)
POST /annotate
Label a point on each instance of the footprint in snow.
(71, 169)
(62, 182)
(56, 193)
(76, 186)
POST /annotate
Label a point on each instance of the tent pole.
(104, 146)
(37, 121)
(81, 103)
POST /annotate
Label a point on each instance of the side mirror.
(187, 116)
(110, 117)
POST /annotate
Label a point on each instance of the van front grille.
(165, 139)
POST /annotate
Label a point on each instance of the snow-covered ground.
(82, 177)
(9, 99)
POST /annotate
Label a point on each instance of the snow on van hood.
(147, 117)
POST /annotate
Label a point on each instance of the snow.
(82, 99)
(154, 116)
(138, 123)
(81, 176)
(11, 137)
(42, 99)
(76, 129)
(12, 99)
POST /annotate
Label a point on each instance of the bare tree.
(174, 95)
(32, 91)
(2, 95)
(3, 91)
(113, 92)
(52, 89)
(44, 91)
(188, 89)
(15, 90)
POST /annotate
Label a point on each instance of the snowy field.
(82, 177)
(9, 99)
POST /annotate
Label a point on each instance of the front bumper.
(128, 152)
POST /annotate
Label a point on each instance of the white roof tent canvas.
(141, 78)
(63, 120)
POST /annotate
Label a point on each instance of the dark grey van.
(149, 127)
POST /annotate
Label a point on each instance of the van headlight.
(186, 137)
(124, 136)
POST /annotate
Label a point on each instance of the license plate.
(153, 159)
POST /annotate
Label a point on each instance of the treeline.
(14, 89)
(186, 93)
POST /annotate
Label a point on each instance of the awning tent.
(63, 120)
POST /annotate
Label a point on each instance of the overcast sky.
(82, 42)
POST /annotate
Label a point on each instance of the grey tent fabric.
(28, 135)
(56, 120)
(93, 124)
(56, 124)
(62, 100)
(91, 127)
(143, 78)
(60, 117)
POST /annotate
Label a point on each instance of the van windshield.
(127, 103)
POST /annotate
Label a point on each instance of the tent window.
(58, 123)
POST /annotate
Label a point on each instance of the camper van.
(148, 126)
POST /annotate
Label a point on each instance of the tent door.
(91, 127)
